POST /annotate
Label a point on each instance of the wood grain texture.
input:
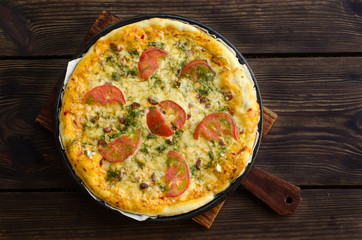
(269, 118)
(27, 151)
(46, 115)
(17, 27)
(264, 26)
(324, 214)
(316, 140)
(207, 219)
(103, 20)
(284, 198)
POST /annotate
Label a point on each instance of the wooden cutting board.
(281, 196)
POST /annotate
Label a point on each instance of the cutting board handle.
(282, 197)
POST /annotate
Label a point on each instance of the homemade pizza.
(159, 117)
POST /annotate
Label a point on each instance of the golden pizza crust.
(113, 59)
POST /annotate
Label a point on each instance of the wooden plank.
(281, 196)
(27, 151)
(56, 27)
(103, 20)
(318, 132)
(207, 219)
(326, 214)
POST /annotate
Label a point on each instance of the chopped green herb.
(122, 69)
(209, 164)
(176, 84)
(131, 120)
(224, 109)
(122, 129)
(205, 74)
(114, 135)
(204, 92)
(131, 117)
(193, 170)
(113, 48)
(168, 161)
(134, 53)
(150, 136)
(109, 58)
(173, 66)
(152, 44)
(140, 164)
(125, 70)
(113, 175)
(144, 150)
(212, 161)
(182, 65)
(205, 80)
(158, 83)
(182, 45)
(161, 148)
(211, 155)
(157, 45)
(132, 72)
(177, 136)
(115, 76)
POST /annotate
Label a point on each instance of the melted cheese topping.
(113, 59)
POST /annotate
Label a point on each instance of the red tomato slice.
(149, 61)
(157, 123)
(180, 113)
(177, 175)
(190, 70)
(104, 94)
(121, 148)
(214, 125)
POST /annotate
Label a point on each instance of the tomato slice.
(104, 94)
(173, 108)
(149, 61)
(191, 69)
(157, 123)
(121, 148)
(177, 175)
(214, 125)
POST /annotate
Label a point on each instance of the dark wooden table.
(307, 58)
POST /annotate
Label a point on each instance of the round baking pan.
(219, 197)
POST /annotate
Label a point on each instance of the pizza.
(159, 117)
